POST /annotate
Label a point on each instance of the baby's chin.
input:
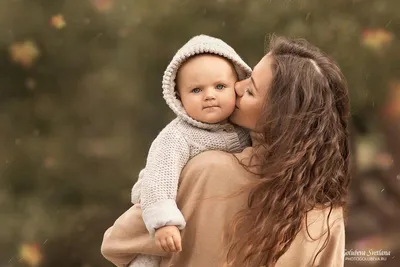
(214, 119)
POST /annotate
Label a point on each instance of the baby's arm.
(135, 194)
(168, 155)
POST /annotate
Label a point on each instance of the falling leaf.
(31, 254)
(376, 38)
(58, 21)
(103, 5)
(391, 108)
(24, 53)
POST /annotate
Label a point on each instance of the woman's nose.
(239, 89)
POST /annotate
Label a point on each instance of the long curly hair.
(303, 157)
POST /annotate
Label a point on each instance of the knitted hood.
(198, 45)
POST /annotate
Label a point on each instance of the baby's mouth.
(212, 106)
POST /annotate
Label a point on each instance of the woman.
(279, 203)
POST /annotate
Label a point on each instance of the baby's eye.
(249, 91)
(196, 90)
(220, 86)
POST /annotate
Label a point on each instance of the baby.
(198, 85)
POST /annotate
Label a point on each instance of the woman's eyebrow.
(254, 84)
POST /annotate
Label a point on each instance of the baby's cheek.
(230, 103)
(232, 97)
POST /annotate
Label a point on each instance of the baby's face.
(206, 88)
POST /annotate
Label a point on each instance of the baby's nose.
(209, 95)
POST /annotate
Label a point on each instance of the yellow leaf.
(24, 53)
(376, 38)
(30, 253)
(58, 21)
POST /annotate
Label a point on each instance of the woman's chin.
(233, 118)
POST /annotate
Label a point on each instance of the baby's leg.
(143, 260)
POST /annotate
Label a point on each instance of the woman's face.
(251, 95)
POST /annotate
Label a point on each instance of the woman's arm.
(207, 200)
(127, 237)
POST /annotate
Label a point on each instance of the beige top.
(205, 183)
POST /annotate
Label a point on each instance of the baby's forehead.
(193, 62)
(206, 56)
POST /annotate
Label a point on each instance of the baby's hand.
(168, 238)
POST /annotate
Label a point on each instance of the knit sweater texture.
(182, 139)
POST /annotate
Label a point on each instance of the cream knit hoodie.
(182, 139)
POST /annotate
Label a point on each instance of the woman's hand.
(169, 238)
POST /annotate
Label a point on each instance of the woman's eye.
(249, 91)
(220, 86)
(196, 90)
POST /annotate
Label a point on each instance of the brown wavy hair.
(303, 156)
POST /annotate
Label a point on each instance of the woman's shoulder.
(210, 156)
(223, 156)
(215, 163)
(319, 213)
(218, 159)
(212, 173)
(318, 218)
(211, 160)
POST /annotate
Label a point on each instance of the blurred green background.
(80, 103)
